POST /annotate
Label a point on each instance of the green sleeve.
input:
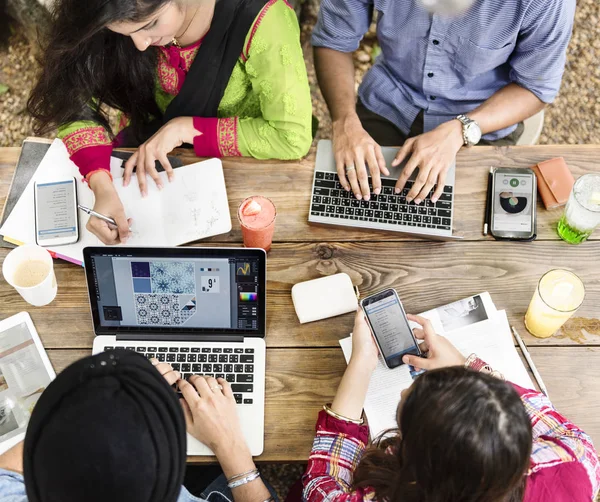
(276, 69)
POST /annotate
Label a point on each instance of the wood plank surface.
(300, 381)
(304, 362)
(425, 274)
(288, 184)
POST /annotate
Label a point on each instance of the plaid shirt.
(564, 464)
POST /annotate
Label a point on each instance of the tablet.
(25, 371)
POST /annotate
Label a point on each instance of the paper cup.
(44, 291)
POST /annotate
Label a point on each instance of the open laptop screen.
(184, 290)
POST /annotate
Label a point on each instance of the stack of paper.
(193, 206)
(473, 325)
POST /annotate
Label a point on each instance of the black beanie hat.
(108, 428)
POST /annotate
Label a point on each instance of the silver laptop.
(332, 205)
(203, 310)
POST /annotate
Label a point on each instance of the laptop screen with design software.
(184, 290)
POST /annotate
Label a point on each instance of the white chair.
(533, 129)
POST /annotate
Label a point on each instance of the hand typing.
(353, 150)
(432, 153)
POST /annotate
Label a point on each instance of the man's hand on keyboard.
(433, 153)
(165, 369)
(353, 150)
(211, 415)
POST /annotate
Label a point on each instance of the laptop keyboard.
(235, 365)
(329, 199)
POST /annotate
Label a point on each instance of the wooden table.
(304, 362)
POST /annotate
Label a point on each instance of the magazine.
(25, 371)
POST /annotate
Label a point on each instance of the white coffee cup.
(42, 292)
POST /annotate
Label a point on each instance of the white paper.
(192, 207)
(490, 338)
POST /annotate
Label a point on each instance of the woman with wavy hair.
(227, 77)
(464, 435)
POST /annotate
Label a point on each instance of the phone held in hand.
(513, 204)
(389, 325)
(56, 216)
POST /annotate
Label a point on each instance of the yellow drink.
(557, 297)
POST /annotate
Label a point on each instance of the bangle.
(244, 480)
(332, 413)
(238, 476)
(270, 499)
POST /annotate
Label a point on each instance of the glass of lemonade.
(557, 297)
(582, 213)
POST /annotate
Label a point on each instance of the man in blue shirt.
(451, 73)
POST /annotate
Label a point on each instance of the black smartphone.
(389, 325)
(513, 205)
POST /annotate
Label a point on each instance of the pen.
(534, 370)
(488, 201)
(91, 212)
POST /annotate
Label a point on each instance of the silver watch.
(471, 130)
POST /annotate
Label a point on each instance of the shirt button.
(432, 98)
(436, 42)
(430, 74)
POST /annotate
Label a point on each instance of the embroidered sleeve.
(88, 144)
(218, 137)
(335, 455)
(557, 442)
(275, 66)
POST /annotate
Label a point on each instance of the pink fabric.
(92, 158)
(207, 143)
(567, 482)
(175, 59)
(326, 422)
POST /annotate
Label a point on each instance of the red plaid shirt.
(564, 464)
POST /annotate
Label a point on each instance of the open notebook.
(472, 325)
(193, 206)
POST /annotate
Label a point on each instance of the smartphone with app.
(56, 217)
(389, 325)
(513, 205)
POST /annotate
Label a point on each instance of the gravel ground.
(573, 118)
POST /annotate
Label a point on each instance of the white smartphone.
(389, 325)
(56, 218)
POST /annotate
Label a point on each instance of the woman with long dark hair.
(464, 435)
(227, 77)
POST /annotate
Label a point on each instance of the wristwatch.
(471, 130)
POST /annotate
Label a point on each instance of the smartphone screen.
(390, 327)
(56, 211)
(513, 202)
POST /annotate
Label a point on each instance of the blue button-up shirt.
(450, 65)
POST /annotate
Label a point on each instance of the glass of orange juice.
(558, 295)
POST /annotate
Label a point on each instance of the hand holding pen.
(107, 229)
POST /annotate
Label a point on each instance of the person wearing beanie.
(111, 428)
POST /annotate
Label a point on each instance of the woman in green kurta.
(227, 77)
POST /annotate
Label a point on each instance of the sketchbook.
(473, 325)
(191, 207)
